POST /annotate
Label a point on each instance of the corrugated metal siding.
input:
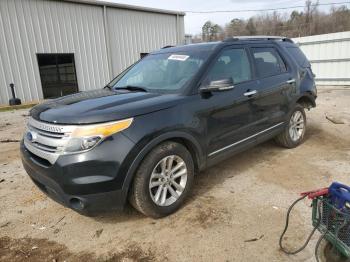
(134, 32)
(329, 55)
(28, 27)
(181, 26)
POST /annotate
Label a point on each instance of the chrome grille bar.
(46, 133)
(49, 141)
(51, 157)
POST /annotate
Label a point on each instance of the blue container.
(340, 196)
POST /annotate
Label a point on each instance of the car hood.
(101, 106)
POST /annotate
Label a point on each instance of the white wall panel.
(29, 27)
(329, 55)
(134, 32)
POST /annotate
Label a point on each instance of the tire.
(285, 138)
(327, 253)
(143, 194)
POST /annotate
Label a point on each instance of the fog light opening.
(76, 203)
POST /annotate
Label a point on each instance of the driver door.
(230, 116)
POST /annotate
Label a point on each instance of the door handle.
(250, 93)
(290, 81)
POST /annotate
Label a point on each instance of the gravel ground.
(235, 213)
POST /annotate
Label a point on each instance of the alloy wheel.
(168, 180)
(296, 126)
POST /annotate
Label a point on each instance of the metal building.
(50, 48)
(329, 55)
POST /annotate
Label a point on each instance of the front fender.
(146, 148)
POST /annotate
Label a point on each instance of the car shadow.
(120, 216)
(203, 181)
(216, 175)
(241, 162)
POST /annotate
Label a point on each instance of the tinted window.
(299, 56)
(231, 63)
(268, 62)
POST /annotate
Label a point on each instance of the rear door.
(274, 84)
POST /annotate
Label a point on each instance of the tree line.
(310, 21)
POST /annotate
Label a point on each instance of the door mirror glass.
(219, 85)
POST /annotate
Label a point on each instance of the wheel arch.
(180, 137)
(307, 100)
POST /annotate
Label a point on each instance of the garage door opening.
(58, 75)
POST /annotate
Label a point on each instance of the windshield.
(162, 72)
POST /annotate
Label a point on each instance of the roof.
(258, 38)
(208, 46)
(128, 7)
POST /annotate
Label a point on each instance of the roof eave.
(128, 7)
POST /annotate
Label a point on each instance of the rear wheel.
(294, 132)
(163, 180)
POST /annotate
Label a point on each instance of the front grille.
(47, 133)
(44, 147)
(46, 140)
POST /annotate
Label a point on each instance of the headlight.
(86, 137)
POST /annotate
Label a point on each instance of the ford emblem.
(31, 136)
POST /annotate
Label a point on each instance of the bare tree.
(206, 31)
(212, 32)
(310, 21)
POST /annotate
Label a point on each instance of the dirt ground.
(235, 213)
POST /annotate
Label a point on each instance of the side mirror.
(218, 85)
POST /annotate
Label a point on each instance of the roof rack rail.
(258, 37)
(167, 46)
(230, 39)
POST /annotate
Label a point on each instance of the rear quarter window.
(268, 62)
(299, 56)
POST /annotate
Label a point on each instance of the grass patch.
(10, 108)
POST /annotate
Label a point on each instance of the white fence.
(329, 55)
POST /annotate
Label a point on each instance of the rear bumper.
(87, 183)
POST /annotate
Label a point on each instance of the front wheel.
(163, 180)
(294, 133)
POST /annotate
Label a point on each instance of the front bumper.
(88, 182)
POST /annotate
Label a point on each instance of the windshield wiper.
(107, 86)
(133, 88)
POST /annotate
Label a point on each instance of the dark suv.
(165, 118)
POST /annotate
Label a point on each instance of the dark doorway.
(58, 75)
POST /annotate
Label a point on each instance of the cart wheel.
(329, 254)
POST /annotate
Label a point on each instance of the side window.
(231, 63)
(268, 62)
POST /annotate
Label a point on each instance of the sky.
(194, 22)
